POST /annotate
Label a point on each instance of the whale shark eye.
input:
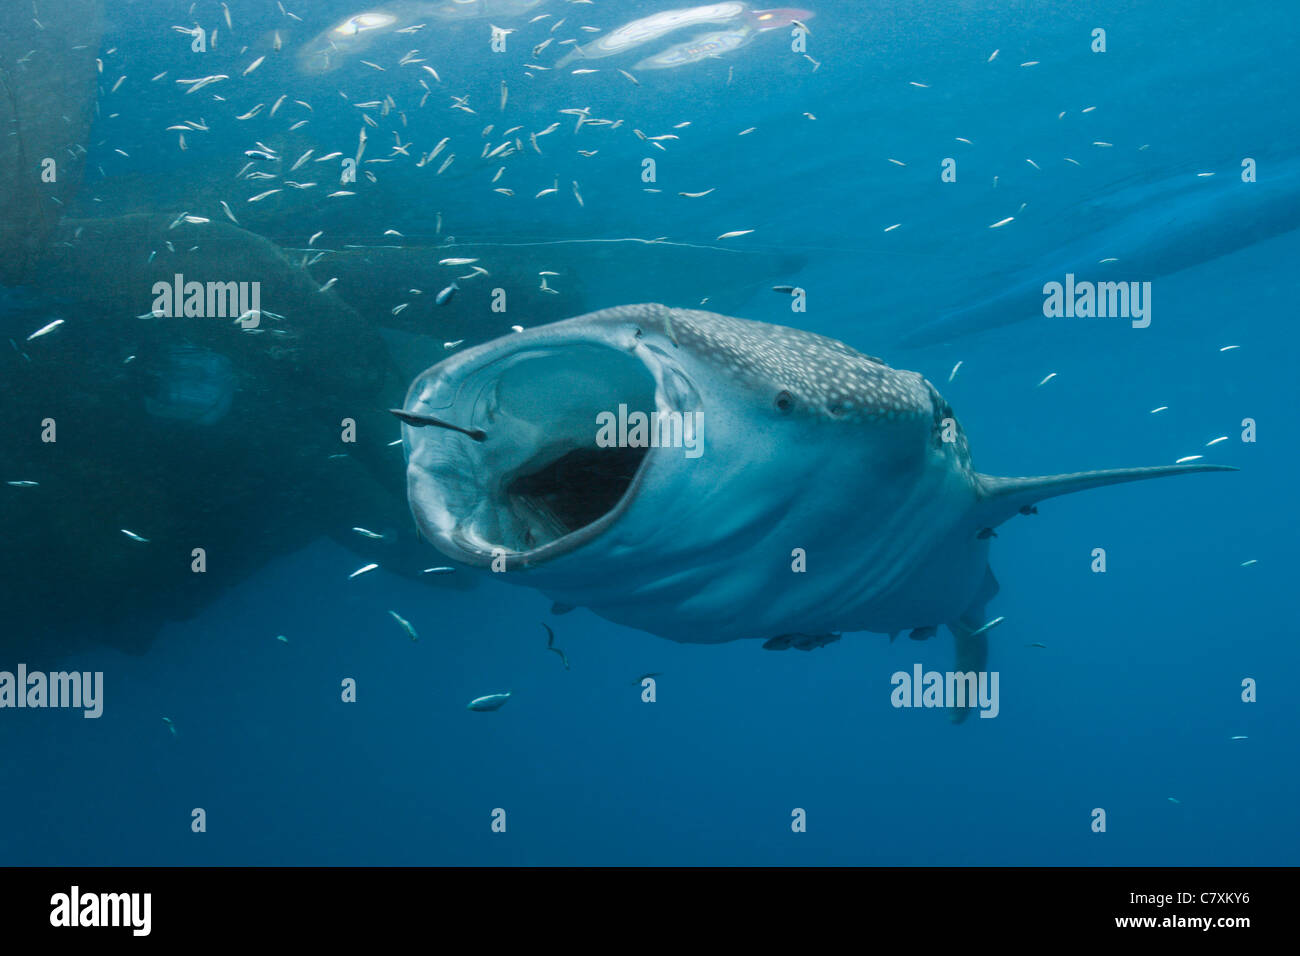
(784, 401)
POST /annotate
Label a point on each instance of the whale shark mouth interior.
(189, 384)
(572, 492)
(540, 476)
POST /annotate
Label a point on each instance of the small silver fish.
(45, 329)
(406, 625)
(443, 297)
(368, 534)
(987, 627)
(489, 702)
(360, 571)
(133, 536)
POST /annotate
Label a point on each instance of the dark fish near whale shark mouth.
(809, 447)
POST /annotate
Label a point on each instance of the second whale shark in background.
(741, 23)
(809, 448)
(357, 33)
(1143, 232)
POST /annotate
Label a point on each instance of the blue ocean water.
(1131, 705)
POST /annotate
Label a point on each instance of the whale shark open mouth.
(189, 384)
(536, 484)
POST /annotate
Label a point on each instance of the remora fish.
(810, 445)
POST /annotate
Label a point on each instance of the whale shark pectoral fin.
(971, 637)
(1001, 498)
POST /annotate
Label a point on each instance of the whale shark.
(347, 38)
(1139, 233)
(743, 25)
(831, 493)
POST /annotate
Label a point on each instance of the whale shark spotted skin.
(806, 444)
